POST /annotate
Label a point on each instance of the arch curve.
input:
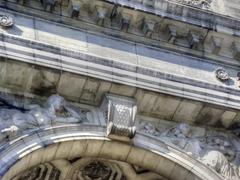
(72, 141)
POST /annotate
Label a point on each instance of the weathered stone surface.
(217, 150)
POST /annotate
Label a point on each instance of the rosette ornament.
(6, 21)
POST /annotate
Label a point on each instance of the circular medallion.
(222, 74)
(6, 21)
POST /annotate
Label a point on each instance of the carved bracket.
(74, 8)
(120, 115)
(171, 31)
(148, 27)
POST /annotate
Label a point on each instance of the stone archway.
(88, 141)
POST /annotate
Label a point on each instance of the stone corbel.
(49, 5)
(236, 50)
(193, 39)
(125, 20)
(171, 31)
(100, 14)
(74, 8)
(216, 43)
(148, 27)
(119, 113)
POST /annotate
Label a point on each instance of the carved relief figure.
(214, 149)
(56, 110)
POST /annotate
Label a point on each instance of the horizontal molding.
(119, 72)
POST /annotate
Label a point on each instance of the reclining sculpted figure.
(55, 110)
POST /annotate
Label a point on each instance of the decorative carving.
(97, 170)
(56, 110)
(204, 4)
(125, 20)
(120, 115)
(6, 21)
(101, 13)
(215, 149)
(222, 74)
(74, 8)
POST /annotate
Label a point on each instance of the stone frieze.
(218, 150)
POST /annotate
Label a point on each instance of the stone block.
(89, 91)
(136, 156)
(209, 115)
(71, 86)
(187, 111)
(179, 173)
(79, 147)
(63, 150)
(165, 167)
(227, 118)
(171, 31)
(216, 43)
(115, 150)
(100, 14)
(165, 106)
(236, 50)
(193, 39)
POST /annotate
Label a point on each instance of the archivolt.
(72, 141)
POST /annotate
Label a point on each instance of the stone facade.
(119, 89)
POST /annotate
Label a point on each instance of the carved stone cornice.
(144, 26)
